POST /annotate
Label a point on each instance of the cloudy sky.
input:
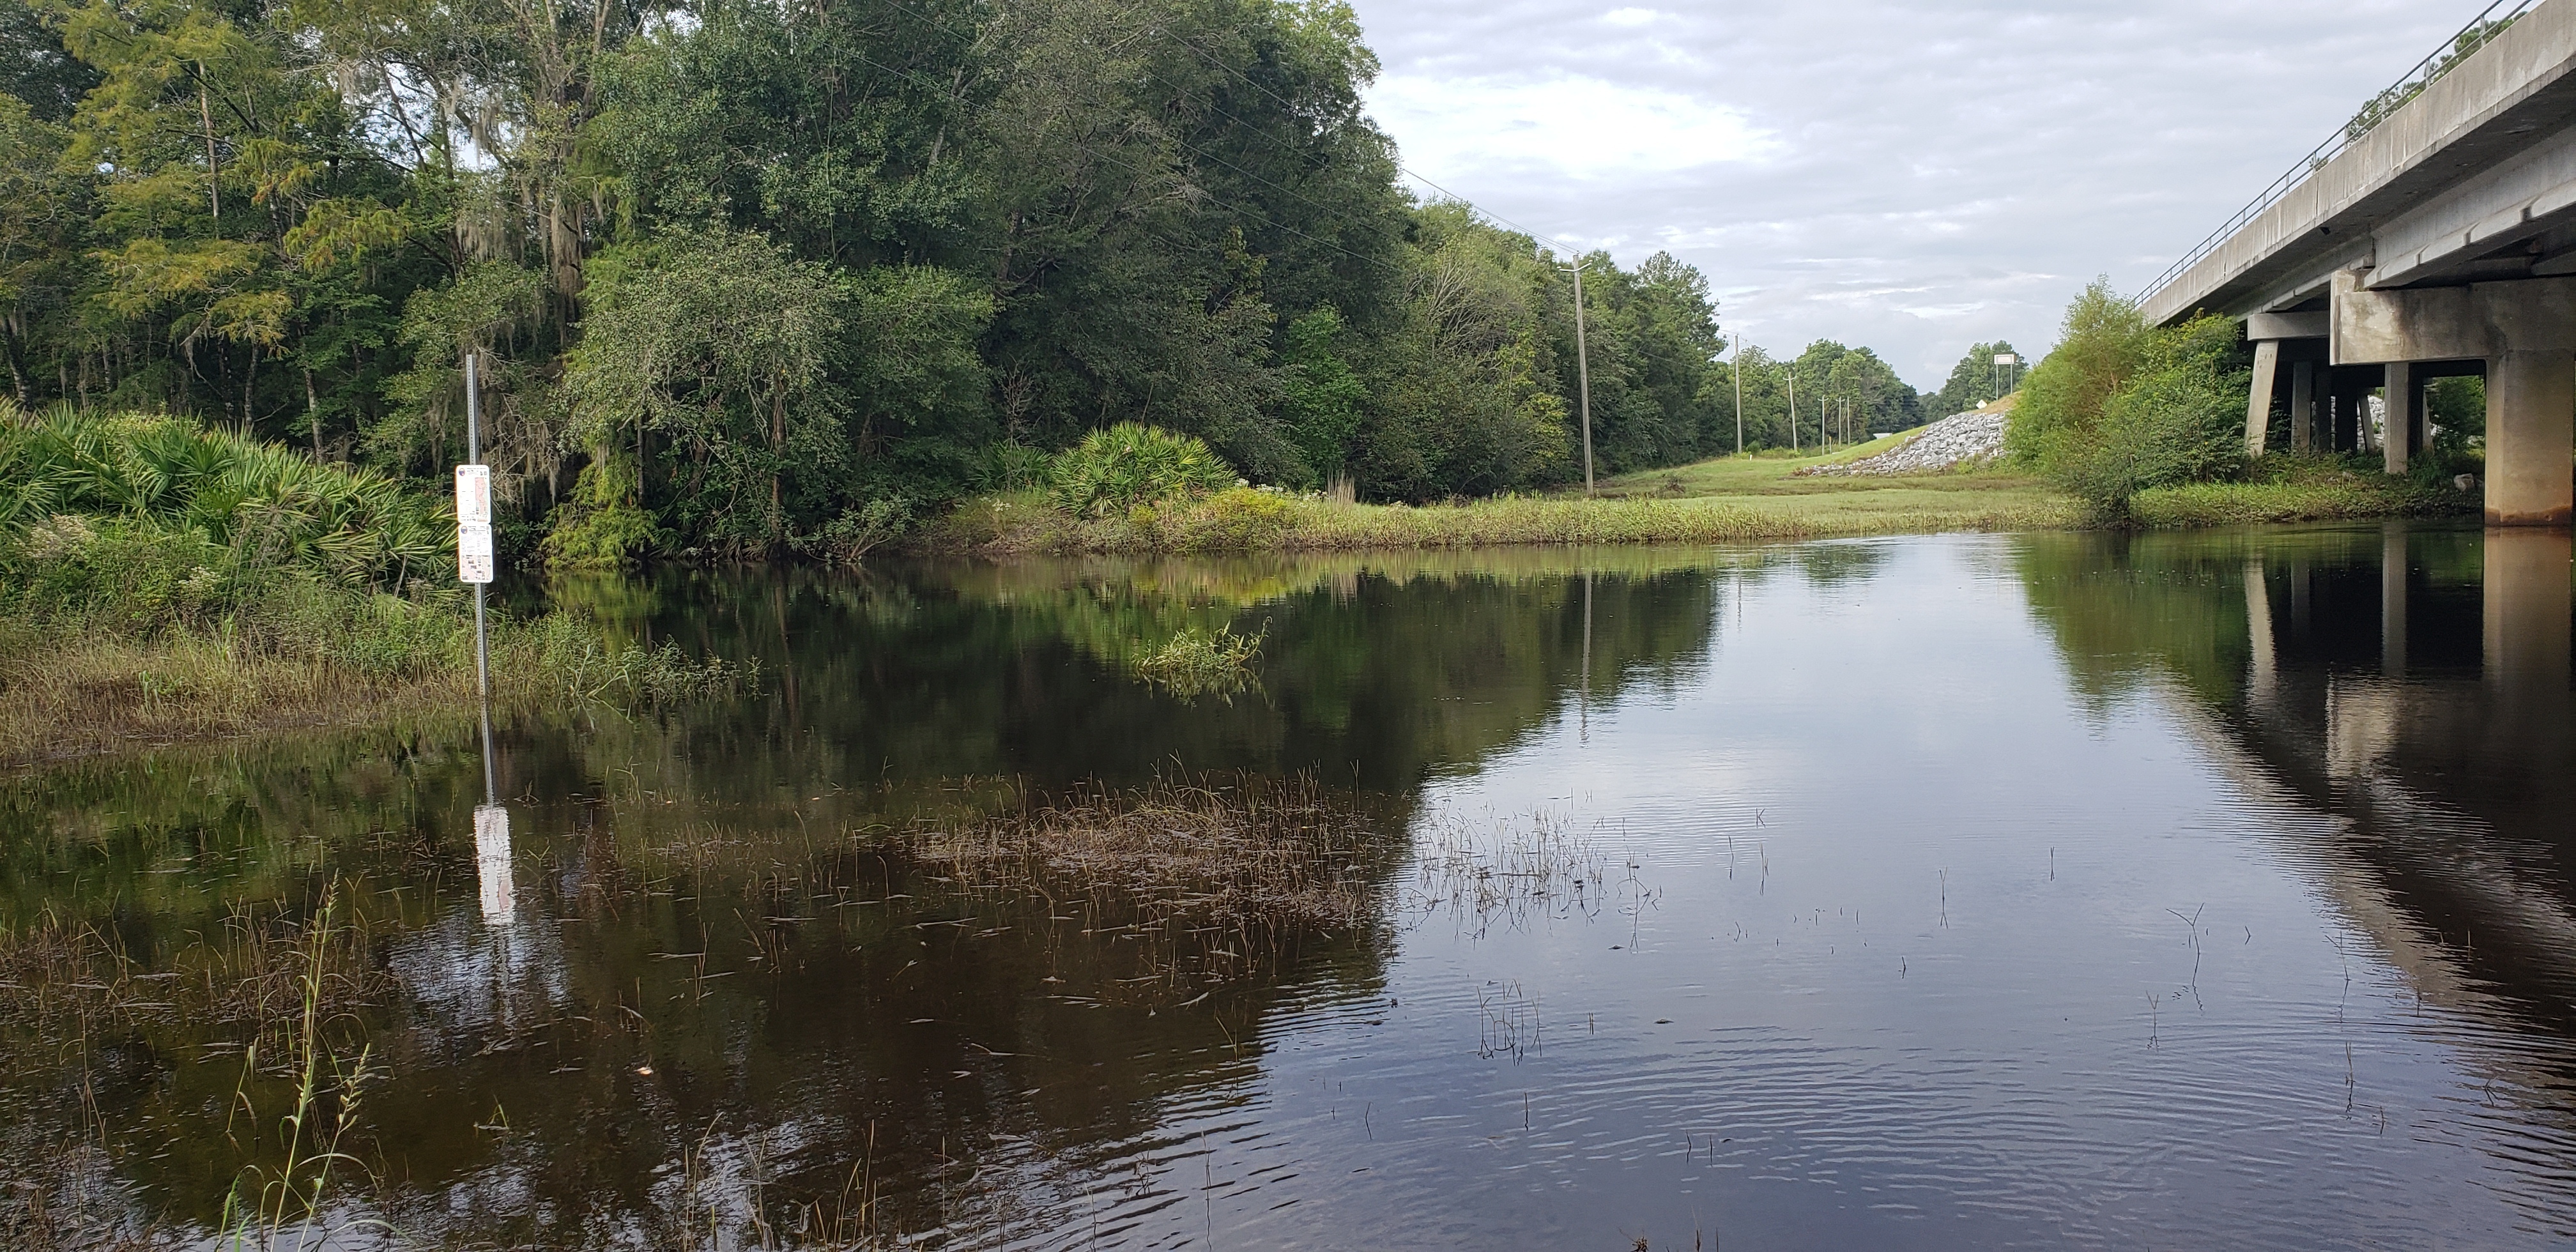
(1914, 177)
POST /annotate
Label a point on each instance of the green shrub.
(2099, 346)
(264, 506)
(133, 574)
(600, 526)
(2180, 418)
(2120, 407)
(1236, 519)
(1113, 471)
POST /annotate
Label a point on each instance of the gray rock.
(1959, 439)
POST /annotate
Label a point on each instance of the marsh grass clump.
(1227, 873)
(247, 981)
(570, 658)
(1194, 663)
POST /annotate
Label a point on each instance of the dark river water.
(2178, 890)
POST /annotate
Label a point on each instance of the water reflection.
(2452, 783)
(1906, 826)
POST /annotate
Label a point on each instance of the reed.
(1512, 876)
(1226, 874)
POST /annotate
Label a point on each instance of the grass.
(2302, 489)
(1764, 505)
(75, 691)
(1755, 497)
(1194, 663)
(278, 990)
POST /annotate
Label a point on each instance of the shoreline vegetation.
(162, 582)
(1734, 499)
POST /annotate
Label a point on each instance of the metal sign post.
(474, 566)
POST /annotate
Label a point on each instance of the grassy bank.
(162, 582)
(1747, 498)
(2301, 489)
(76, 692)
(1727, 499)
(1249, 521)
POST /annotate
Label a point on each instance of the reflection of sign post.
(474, 524)
(492, 862)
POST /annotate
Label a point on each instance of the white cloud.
(1827, 164)
(1585, 127)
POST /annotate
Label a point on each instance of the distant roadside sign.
(2006, 358)
(474, 523)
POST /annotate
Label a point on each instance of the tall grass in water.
(329, 1084)
(1512, 876)
(282, 992)
(1222, 876)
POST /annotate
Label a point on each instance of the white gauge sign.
(474, 523)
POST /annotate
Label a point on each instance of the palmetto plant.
(268, 507)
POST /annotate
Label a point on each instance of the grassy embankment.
(1754, 497)
(161, 582)
(1732, 498)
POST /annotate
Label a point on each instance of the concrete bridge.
(2439, 241)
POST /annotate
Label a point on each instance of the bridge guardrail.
(2485, 26)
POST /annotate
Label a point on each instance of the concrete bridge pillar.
(2287, 347)
(2531, 425)
(2258, 401)
(2401, 417)
(2303, 406)
(2392, 599)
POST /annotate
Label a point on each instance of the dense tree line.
(739, 268)
(1842, 395)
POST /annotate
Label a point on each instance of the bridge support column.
(2258, 400)
(2531, 427)
(2303, 405)
(2343, 413)
(2401, 416)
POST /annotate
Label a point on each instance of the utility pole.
(1737, 370)
(1583, 372)
(1793, 407)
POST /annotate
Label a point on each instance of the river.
(1963, 891)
